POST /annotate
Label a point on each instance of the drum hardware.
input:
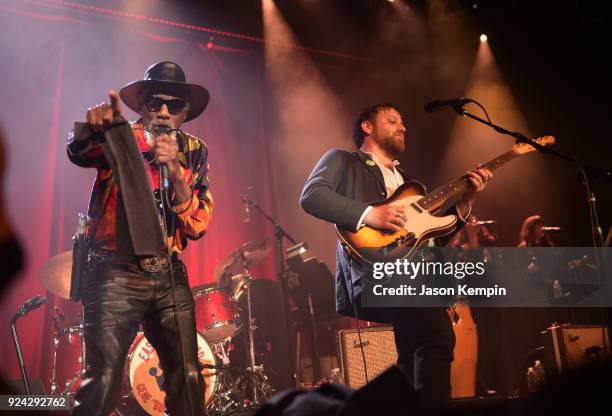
(55, 276)
(280, 235)
(57, 333)
(74, 338)
(245, 283)
(250, 331)
(222, 352)
(234, 385)
(233, 274)
(73, 332)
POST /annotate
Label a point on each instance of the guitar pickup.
(398, 242)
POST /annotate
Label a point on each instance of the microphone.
(31, 304)
(484, 222)
(163, 168)
(246, 210)
(456, 103)
(551, 228)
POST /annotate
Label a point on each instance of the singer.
(533, 233)
(134, 276)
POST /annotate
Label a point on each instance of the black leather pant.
(119, 296)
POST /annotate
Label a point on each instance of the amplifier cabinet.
(378, 345)
(569, 346)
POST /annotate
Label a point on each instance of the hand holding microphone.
(166, 150)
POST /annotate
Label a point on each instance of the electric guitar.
(372, 245)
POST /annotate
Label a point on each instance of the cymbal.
(244, 257)
(56, 272)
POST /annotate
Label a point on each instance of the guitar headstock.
(522, 148)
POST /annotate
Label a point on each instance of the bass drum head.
(144, 378)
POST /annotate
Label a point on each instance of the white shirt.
(392, 178)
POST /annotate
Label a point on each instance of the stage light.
(483, 38)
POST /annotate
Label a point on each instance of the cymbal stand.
(254, 376)
(57, 333)
(250, 325)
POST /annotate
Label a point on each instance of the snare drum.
(216, 314)
(145, 377)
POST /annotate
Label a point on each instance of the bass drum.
(144, 377)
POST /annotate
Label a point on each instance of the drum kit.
(230, 390)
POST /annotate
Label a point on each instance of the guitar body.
(370, 245)
(373, 245)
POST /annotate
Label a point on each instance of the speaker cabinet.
(569, 346)
(378, 349)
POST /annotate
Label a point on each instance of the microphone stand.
(596, 231)
(24, 374)
(280, 234)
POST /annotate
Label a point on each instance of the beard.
(393, 146)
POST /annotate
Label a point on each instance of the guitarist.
(338, 191)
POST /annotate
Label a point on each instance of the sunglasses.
(174, 105)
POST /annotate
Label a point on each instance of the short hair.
(368, 114)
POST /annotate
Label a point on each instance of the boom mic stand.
(24, 374)
(280, 234)
(23, 310)
(584, 170)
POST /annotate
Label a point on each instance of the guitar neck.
(437, 198)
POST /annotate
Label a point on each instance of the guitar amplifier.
(378, 345)
(569, 346)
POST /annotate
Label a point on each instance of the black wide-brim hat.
(166, 77)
